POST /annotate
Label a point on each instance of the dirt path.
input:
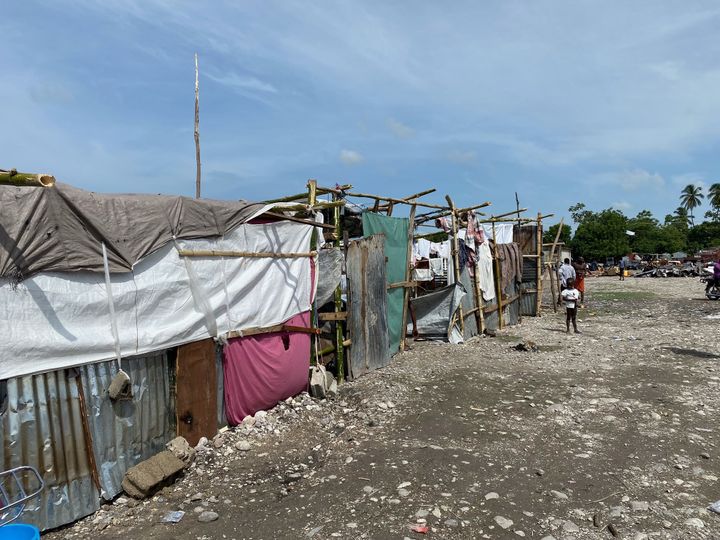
(611, 433)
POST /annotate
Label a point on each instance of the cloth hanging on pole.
(485, 274)
(503, 232)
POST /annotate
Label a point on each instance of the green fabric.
(395, 231)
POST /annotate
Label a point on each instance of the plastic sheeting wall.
(42, 427)
(126, 432)
(161, 304)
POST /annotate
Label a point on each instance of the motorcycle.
(712, 287)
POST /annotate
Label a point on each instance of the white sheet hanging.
(484, 274)
(503, 232)
(58, 320)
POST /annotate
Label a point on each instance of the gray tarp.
(435, 313)
(329, 271)
(61, 228)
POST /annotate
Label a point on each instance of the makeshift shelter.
(91, 283)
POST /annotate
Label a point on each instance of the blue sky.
(609, 103)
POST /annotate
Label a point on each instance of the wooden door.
(196, 391)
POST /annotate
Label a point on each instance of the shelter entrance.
(196, 388)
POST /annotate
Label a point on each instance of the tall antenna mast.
(197, 130)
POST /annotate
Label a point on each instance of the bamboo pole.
(197, 131)
(551, 272)
(538, 245)
(339, 338)
(306, 207)
(318, 190)
(248, 254)
(300, 220)
(408, 276)
(312, 200)
(498, 285)
(20, 179)
(392, 200)
(456, 258)
(446, 212)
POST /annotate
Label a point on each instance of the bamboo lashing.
(248, 254)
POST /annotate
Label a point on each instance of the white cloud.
(399, 129)
(636, 179)
(462, 156)
(241, 82)
(682, 180)
(623, 206)
(351, 157)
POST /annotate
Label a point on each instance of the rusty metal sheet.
(126, 432)
(526, 237)
(196, 387)
(367, 311)
(42, 426)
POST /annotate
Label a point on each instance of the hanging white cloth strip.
(198, 296)
(111, 307)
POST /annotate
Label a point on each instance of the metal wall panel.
(127, 432)
(42, 427)
(367, 306)
(526, 237)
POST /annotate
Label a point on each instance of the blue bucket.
(19, 531)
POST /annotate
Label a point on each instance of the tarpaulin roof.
(61, 228)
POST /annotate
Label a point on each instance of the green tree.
(648, 234)
(565, 234)
(600, 235)
(714, 199)
(690, 198)
(580, 213)
(704, 235)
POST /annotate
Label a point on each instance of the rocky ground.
(609, 433)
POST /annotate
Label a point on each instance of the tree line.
(603, 234)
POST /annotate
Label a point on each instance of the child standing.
(571, 296)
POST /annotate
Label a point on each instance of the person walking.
(622, 269)
(565, 272)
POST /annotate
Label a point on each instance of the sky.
(613, 103)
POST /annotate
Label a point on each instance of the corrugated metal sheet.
(367, 317)
(526, 237)
(128, 432)
(42, 427)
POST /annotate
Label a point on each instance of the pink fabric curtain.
(259, 371)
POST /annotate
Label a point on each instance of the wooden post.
(312, 196)
(539, 287)
(197, 130)
(498, 285)
(408, 276)
(339, 338)
(456, 257)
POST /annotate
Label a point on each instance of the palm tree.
(690, 197)
(714, 195)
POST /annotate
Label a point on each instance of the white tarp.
(57, 320)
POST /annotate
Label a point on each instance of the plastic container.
(19, 531)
